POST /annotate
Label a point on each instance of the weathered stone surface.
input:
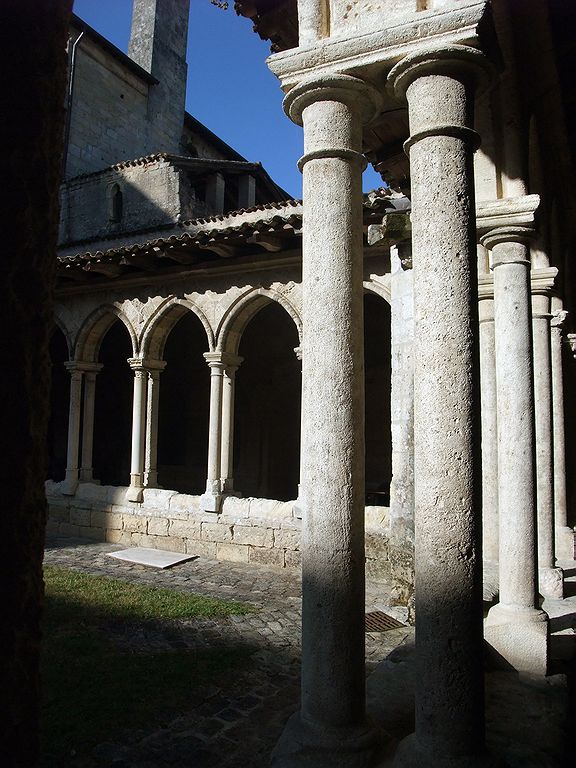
(236, 553)
(158, 526)
(257, 537)
(135, 523)
(266, 556)
(216, 532)
(79, 516)
(286, 538)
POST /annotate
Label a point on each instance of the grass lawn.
(93, 689)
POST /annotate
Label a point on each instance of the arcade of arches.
(160, 439)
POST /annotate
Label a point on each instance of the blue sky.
(230, 89)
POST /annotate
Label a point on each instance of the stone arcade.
(433, 311)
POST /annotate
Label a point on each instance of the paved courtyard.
(237, 726)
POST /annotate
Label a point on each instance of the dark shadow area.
(113, 408)
(59, 399)
(377, 338)
(268, 395)
(184, 408)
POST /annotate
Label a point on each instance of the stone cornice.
(383, 48)
(486, 286)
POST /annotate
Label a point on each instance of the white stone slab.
(155, 558)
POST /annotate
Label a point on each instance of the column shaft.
(550, 578)
(227, 446)
(71, 480)
(151, 451)
(138, 432)
(489, 429)
(212, 498)
(564, 534)
(515, 628)
(449, 697)
(86, 471)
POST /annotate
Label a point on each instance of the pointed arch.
(61, 325)
(243, 310)
(95, 327)
(158, 327)
(379, 289)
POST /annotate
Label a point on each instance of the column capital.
(500, 235)
(451, 60)
(146, 364)
(353, 91)
(571, 339)
(223, 359)
(542, 281)
(558, 319)
(80, 366)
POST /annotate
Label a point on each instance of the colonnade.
(521, 420)
(144, 437)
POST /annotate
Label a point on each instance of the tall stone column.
(135, 490)
(564, 534)
(154, 368)
(515, 627)
(211, 500)
(232, 362)
(90, 372)
(549, 577)
(439, 85)
(331, 727)
(401, 533)
(72, 472)
(489, 428)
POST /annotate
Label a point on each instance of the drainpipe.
(70, 92)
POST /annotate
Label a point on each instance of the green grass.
(93, 689)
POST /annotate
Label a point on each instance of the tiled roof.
(264, 229)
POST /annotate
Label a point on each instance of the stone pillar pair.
(220, 481)
(331, 724)
(143, 466)
(82, 389)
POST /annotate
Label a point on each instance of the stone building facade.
(193, 295)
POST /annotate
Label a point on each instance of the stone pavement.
(238, 725)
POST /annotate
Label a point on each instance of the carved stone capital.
(558, 319)
(356, 93)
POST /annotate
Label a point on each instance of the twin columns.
(439, 85)
(143, 464)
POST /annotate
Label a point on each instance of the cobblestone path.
(236, 725)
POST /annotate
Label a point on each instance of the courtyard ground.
(236, 719)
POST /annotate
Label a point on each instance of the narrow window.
(116, 204)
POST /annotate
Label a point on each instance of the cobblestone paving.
(237, 725)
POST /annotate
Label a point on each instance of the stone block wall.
(260, 531)
(150, 197)
(109, 112)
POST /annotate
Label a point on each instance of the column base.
(565, 549)
(135, 493)
(303, 745)
(69, 486)
(211, 502)
(551, 583)
(411, 755)
(518, 637)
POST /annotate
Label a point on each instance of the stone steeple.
(158, 43)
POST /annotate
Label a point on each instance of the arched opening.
(377, 356)
(184, 407)
(113, 408)
(59, 406)
(116, 204)
(268, 396)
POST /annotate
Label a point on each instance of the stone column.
(90, 372)
(211, 500)
(564, 534)
(515, 627)
(134, 492)
(232, 362)
(151, 450)
(331, 727)
(549, 577)
(71, 479)
(489, 430)
(439, 85)
(401, 534)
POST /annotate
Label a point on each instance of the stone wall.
(109, 112)
(261, 531)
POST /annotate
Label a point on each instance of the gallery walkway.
(239, 726)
